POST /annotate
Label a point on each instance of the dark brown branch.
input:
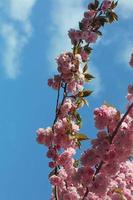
(120, 122)
(97, 170)
(57, 103)
(85, 195)
(56, 117)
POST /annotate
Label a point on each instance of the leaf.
(53, 172)
(79, 103)
(77, 49)
(85, 68)
(78, 119)
(118, 116)
(114, 4)
(88, 77)
(76, 163)
(78, 144)
(80, 137)
(112, 16)
(87, 49)
(99, 33)
(96, 3)
(85, 93)
(85, 101)
(120, 192)
(102, 20)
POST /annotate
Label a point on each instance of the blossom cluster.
(95, 17)
(102, 172)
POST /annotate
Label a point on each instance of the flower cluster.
(95, 17)
(102, 172)
(106, 117)
(70, 73)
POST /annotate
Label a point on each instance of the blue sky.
(32, 34)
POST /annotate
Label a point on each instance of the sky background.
(32, 34)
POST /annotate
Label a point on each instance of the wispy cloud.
(96, 83)
(15, 30)
(125, 53)
(64, 15)
(126, 8)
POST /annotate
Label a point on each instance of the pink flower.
(106, 5)
(55, 180)
(105, 116)
(90, 158)
(52, 164)
(71, 194)
(66, 156)
(100, 185)
(90, 14)
(44, 136)
(55, 82)
(50, 82)
(66, 107)
(52, 153)
(84, 25)
(92, 37)
(130, 93)
(85, 175)
(74, 35)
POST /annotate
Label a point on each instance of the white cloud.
(15, 29)
(126, 8)
(21, 9)
(125, 54)
(96, 83)
(13, 46)
(65, 15)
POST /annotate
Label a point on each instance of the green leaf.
(112, 16)
(88, 77)
(78, 143)
(114, 4)
(80, 137)
(85, 101)
(85, 68)
(87, 49)
(102, 20)
(79, 102)
(78, 119)
(76, 163)
(77, 49)
(53, 172)
(85, 93)
(99, 33)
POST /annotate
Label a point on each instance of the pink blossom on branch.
(102, 172)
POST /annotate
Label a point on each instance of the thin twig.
(85, 195)
(56, 117)
(120, 122)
